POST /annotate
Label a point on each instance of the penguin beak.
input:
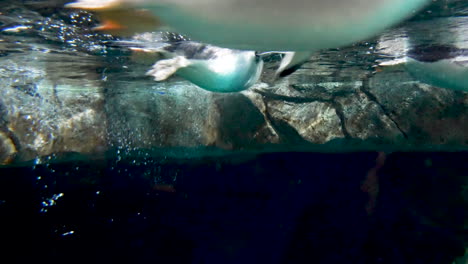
(119, 19)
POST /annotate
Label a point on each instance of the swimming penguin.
(209, 67)
(439, 65)
(299, 26)
(444, 66)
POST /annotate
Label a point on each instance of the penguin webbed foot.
(164, 69)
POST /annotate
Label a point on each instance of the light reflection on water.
(75, 58)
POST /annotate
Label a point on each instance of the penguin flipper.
(292, 61)
(164, 69)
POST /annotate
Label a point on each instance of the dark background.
(268, 208)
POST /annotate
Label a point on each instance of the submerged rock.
(44, 117)
(64, 90)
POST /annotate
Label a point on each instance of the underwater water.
(269, 208)
(358, 156)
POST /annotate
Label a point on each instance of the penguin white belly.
(445, 73)
(294, 25)
(209, 67)
(228, 73)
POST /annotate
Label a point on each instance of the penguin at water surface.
(209, 67)
(265, 25)
(444, 66)
(297, 27)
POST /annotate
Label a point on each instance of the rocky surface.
(62, 90)
(41, 117)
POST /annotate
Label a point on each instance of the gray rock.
(43, 117)
(173, 114)
(62, 92)
(7, 149)
(426, 115)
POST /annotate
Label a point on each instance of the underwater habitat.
(234, 131)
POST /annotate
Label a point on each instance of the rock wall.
(63, 90)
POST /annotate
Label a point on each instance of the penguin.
(439, 65)
(212, 68)
(444, 66)
(300, 27)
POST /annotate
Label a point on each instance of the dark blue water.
(272, 208)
